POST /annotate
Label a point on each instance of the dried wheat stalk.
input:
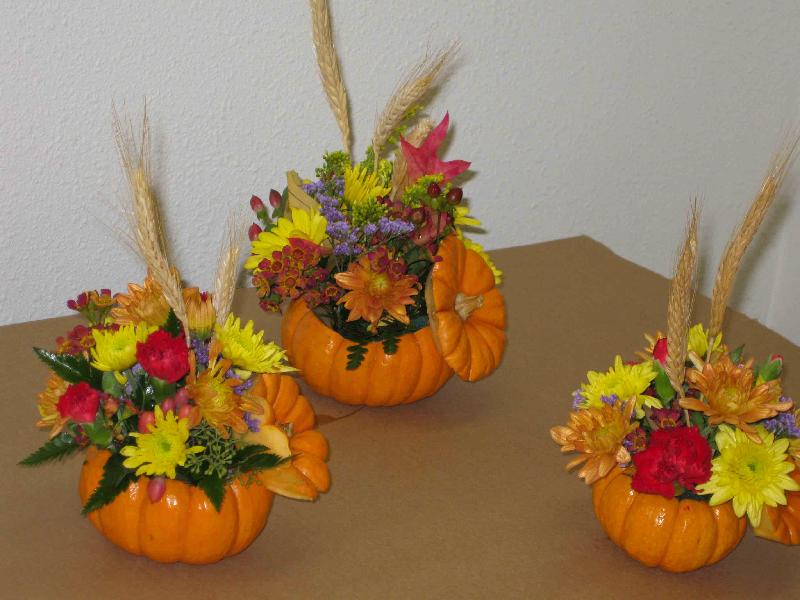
(329, 70)
(145, 217)
(415, 137)
(228, 268)
(746, 231)
(681, 302)
(408, 93)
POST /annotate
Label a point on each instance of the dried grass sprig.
(410, 91)
(144, 214)
(415, 137)
(329, 70)
(746, 231)
(228, 267)
(680, 304)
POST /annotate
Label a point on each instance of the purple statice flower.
(389, 226)
(343, 248)
(241, 389)
(252, 422)
(610, 400)
(783, 425)
(370, 229)
(200, 351)
(577, 400)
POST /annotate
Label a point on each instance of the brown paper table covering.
(460, 495)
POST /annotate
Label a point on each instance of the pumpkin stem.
(466, 304)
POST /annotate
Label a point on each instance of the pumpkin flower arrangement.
(190, 421)
(686, 444)
(374, 259)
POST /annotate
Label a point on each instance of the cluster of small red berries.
(93, 305)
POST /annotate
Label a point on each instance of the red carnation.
(674, 456)
(164, 356)
(80, 402)
(660, 350)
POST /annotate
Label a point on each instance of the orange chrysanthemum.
(47, 404)
(597, 433)
(142, 304)
(377, 283)
(200, 312)
(730, 396)
(214, 396)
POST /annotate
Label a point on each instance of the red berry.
(275, 198)
(167, 405)
(454, 195)
(181, 398)
(254, 231)
(156, 488)
(147, 417)
(434, 190)
(256, 204)
(184, 411)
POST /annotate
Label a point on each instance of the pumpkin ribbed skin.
(782, 523)
(183, 526)
(415, 371)
(467, 312)
(674, 535)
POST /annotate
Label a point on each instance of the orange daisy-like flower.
(597, 433)
(377, 283)
(214, 395)
(47, 404)
(200, 312)
(142, 304)
(730, 396)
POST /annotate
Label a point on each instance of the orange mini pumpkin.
(184, 525)
(675, 535)
(415, 371)
(466, 334)
(782, 523)
(467, 312)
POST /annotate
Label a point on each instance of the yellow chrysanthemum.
(362, 186)
(624, 382)
(698, 341)
(247, 350)
(200, 312)
(462, 218)
(116, 350)
(48, 405)
(750, 474)
(471, 245)
(162, 449)
(142, 304)
(305, 225)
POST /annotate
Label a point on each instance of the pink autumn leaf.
(425, 161)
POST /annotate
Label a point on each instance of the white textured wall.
(580, 117)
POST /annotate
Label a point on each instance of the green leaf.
(248, 451)
(55, 449)
(98, 432)
(770, 370)
(261, 461)
(144, 394)
(72, 369)
(390, 345)
(173, 325)
(110, 384)
(664, 388)
(114, 481)
(163, 389)
(214, 487)
(355, 356)
(736, 355)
